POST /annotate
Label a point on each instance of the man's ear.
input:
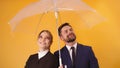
(61, 37)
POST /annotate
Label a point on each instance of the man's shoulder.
(61, 50)
(83, 46)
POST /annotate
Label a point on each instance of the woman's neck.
(41, 50)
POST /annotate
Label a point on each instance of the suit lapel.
(66, 56)
(78, 50)
(78, 54)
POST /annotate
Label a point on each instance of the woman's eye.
(48, 38)
(40, 36)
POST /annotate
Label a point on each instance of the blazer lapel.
(78, 50)
(79, 55)
(66, 56)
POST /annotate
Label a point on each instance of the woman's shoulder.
(33, 55)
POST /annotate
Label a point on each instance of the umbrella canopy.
(87, 15)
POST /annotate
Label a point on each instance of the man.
(73, 54)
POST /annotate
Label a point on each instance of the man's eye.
(66, 31)
(71, 29)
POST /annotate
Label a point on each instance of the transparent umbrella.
(87, 14)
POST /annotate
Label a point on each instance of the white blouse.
(42, 54)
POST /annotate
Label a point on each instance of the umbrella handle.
(60, 61)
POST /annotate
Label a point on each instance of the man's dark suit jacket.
(48, 61)
(85, 57)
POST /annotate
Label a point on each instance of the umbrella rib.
(39, 23)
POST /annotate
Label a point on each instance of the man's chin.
(71, 40)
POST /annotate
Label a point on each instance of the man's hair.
(61, 26)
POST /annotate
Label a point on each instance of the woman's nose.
(42, 39)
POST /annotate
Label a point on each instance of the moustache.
(71, 34)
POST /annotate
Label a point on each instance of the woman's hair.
(49, 33)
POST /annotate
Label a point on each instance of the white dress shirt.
(70, 50)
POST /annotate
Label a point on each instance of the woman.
(44, 58)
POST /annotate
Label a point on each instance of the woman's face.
(44, 40)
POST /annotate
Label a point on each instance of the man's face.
(67, 34)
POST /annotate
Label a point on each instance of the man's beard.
(71, 39)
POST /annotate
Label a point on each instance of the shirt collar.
(69, 47)
(42, 53)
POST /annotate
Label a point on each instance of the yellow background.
(104, 38)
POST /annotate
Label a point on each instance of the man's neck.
(71, 43)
